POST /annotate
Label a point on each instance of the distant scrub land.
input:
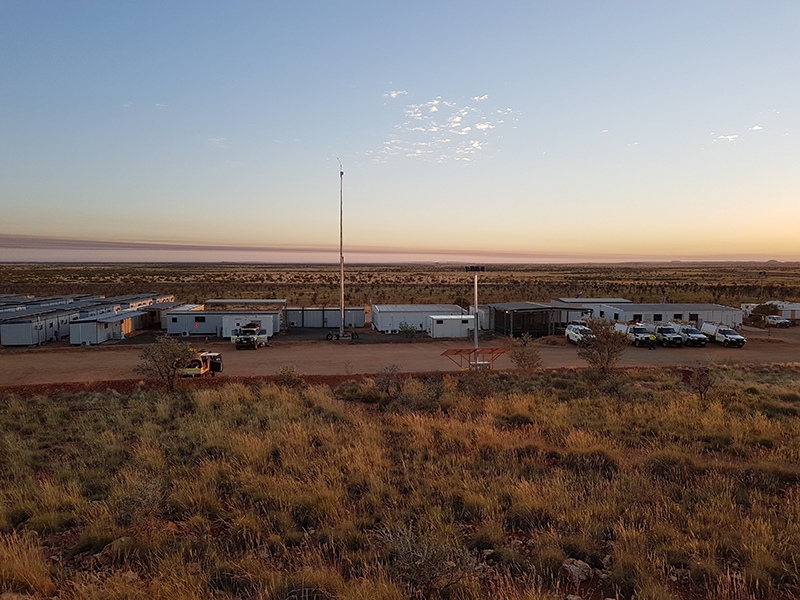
(511, 487)
(318, 285)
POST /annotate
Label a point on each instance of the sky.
(529, 131)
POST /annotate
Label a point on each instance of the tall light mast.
(341, 248)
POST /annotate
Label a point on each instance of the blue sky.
(510, 131)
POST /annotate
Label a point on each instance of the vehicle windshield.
(667, 330)
(691, 331)
(728, 332)
(638, 330)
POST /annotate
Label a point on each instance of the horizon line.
(17, 246)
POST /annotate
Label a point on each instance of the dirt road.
(56, 365)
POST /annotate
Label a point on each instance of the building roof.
(161, 306)
(110, 317)
(591, 300)
(245, 301)
(416, 307)
(521, 306)
(668, 307)
(323, 308)
(200, 313)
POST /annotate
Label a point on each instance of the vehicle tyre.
(355, 335)
(637, 343)
(665, 343)
(336, 336)
(725, 343)
(329, 337)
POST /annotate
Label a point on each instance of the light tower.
(341, 249)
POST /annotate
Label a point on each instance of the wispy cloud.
(221, 142)
(160, 106)
(445, 129)
(394, 94)
(756, 128)
(726, 138)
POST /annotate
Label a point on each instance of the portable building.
(663, 313)
(518, 318)
(353, 317)
(387, 318)
(102, 328)
(574, 309)
(304, 316)
(484, 316)
(219, 323)
(791, 311)
(36, 327)
(450, 326)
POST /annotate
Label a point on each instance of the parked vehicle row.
(675, 334)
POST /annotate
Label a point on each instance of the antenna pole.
(341, 248)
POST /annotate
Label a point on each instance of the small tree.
(407, 330)
(164, 360)
(699, 380)
(603, 351)
(524, 352)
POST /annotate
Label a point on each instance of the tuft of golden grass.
(22, 566)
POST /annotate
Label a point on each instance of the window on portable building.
(199, 319)
(637, 317)
(694, 316)
(658, 318)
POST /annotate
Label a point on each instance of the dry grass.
(455, 488)
(318, 285)
(22, 565)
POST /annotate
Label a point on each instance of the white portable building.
(790, 310)
(102, 328)
(327, 316)
(218, 322)
(450, 326)
(35, 328)
(664, 313)
(387, 318)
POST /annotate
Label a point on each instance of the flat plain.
(318, 285)
(387, 485)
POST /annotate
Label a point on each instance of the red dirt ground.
(94, 368)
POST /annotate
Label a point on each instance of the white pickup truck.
(638, 335)
(690, 334)
(777, 321)
(723, 334)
